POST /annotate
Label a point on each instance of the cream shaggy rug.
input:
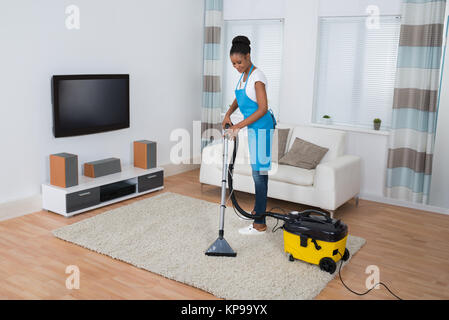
(168, 234)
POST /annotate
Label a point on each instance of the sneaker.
(250, 230)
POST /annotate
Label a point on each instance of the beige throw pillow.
(303, 154)
(280, 136)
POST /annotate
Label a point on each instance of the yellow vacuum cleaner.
(316, 239)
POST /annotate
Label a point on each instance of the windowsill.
(353, 129)
(385, 132)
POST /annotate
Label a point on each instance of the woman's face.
(240, 61)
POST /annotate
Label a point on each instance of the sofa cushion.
(304, 154)
(293, 175)
(243, 149)
(280, 137)
(332, 139)
(282, 173)
(244, 169)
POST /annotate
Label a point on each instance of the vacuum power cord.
(362, 294)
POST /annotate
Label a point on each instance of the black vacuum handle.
(307, 213)
(227, 126)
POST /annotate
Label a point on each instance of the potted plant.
(327, 119)
(377, 123)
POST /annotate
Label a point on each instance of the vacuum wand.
(223, 185)
(221, 247)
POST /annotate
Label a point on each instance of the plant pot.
(327, 120)
(377, 125)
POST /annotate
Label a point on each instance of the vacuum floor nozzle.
(220, 248)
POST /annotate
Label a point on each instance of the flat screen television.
(86, 104)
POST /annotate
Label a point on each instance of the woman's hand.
(227, 119)
(232, 132)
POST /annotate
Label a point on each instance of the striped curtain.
(411, 143)
(212, 74)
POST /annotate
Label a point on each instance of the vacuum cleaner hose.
(303, 214)
(231, 189)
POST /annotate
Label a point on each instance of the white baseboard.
(17, 208)
(171, 169)
(401, 203)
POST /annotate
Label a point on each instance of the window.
(266, 54)
(356, 68)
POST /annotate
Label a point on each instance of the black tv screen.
(85, 104)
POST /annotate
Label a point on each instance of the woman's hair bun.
(241, 39)
(240, 44)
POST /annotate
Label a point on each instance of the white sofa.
(334, 181)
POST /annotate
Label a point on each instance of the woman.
(251, 99)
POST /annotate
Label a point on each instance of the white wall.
(358, 7)
(159, 43)
(253, 9)
(297, 84)
(144, 38)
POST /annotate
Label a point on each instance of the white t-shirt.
(255, 76)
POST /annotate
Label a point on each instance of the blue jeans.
(261, 188)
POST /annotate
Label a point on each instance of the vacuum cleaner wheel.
(328, 265)
(346, 255)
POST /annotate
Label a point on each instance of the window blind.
(356, 68)
(266, 53)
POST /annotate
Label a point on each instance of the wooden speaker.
(64, 170)
(145, 154)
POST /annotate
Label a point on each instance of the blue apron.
(260, 132)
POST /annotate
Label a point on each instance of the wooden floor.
(410, 247)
